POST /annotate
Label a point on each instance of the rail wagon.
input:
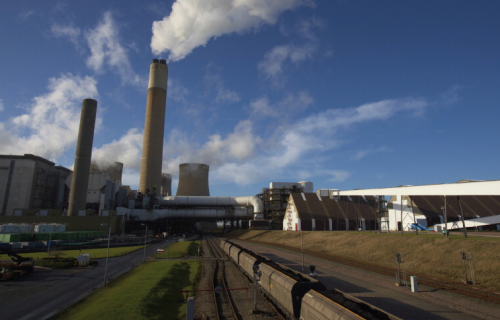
(227, 245)
(286, 287)
(316, 306)
(249, 259)
(223, 243)
(234, 253)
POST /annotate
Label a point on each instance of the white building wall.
(405, 215)
(291, 221)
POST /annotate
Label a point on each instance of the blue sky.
(345, 94)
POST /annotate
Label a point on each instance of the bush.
(56, 263)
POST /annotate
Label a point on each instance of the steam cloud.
(192, 23)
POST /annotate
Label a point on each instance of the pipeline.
(199, 207)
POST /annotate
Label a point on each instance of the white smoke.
(192, 23)
(126, 150)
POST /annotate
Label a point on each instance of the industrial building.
(469, 203)
(34, 190)
(275, 199)
(29, 181)
(326, 211)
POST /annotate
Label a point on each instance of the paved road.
(44, 293)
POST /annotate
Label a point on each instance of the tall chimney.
(154, 127)
(193, 180)
(80, 180)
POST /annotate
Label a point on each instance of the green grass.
(150, 291)
(182, 249)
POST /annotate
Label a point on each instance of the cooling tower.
(152, 146)
(166, 184)
(80, 179)
(193, 180)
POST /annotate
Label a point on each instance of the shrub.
(57, 263)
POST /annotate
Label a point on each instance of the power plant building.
(154, 128)
(29, 181)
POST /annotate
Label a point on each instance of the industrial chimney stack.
(154, 127)
(83, 154)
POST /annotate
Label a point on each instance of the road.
(46, 292)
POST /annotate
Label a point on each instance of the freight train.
(299, 296)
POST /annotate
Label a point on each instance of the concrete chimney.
(80, 180)
(154, 127)
(193, 180)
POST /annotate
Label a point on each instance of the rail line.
(455, 287)
(225, 307)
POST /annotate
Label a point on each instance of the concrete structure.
(438, 204)
(83, 154)
(154, 127)
(193, 180)
(33, 182)
(166, 184)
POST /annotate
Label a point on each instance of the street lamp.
(50, 240)
(145, 239)
(107, 253)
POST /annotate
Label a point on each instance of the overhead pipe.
(248, 201)
(198, 207)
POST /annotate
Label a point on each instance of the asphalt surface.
(46, 292)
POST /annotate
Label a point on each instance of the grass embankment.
(150, 291)
(430, 254)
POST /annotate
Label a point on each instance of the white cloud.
(70, 32)
(25, 15)
(363, 153)
(245, 157)
(291, 104)
(226, 95)
(273, 63)
(106, 51)
(50, 126)
(319, 132)
(192, 23)
(215, 82)
(1, 105)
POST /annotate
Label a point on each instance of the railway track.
(225, 306)
(455, 287)
(242, 300)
